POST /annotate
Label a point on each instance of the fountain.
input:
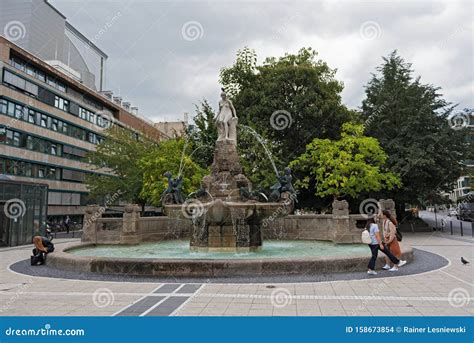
(226, 217)
(219, 230)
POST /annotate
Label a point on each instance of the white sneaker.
(393, 269)
(386, 267)
(372, 272)
(402, 263)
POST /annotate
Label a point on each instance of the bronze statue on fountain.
(227, 214)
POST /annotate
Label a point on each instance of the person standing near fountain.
(376, 244)
(226, 119)
(390, 239)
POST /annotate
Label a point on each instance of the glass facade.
(24, 140)
(16, 167)
(30, 115)
(44, 95)
(23, 209)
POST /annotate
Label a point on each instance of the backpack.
(366, 237)
(399, 235)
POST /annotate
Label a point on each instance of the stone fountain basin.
(221, 210)
(205, 268)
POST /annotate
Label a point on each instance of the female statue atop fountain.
(226, 119)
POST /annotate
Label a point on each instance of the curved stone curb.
(61, 259)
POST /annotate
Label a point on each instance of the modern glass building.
(23, 207)
(41, 29)
(50, 115)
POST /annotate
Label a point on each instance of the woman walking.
(376, 244)
(389, 225)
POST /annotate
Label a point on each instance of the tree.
(345, 167)
(289, 100)
(410, 119)
(119, 154)
(203, 137)
(171, 155)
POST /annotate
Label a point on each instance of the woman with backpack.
(372, 237)
(389, 225)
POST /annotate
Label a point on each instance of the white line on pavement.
(328, 297)
(92, 293)
(459, 279)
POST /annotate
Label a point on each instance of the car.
(452, 212)
(466, 211)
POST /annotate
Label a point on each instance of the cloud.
(152, 65)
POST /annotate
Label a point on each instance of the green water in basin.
(179, 249)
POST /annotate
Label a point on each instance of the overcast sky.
(164, 57)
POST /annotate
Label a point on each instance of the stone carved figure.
(284, 185)
(226, 119)
(246, 194)
(172, 194)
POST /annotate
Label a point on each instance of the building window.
(61, 103)
(41, 172)
(11, 109)
(9, 137)
(54, 149)
(29, 143)
(18, 111)
(3, 106)
(34, 117)
(31, 116)
(14, 80)
(36, 73)
(16, 139)
(44, 120)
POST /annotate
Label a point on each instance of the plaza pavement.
(444, 292)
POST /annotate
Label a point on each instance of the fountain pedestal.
(226, 172)
(225, 221)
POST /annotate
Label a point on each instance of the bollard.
(462, 233)
(451, 227)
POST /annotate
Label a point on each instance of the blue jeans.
(374, 248)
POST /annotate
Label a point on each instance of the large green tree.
(410, 119)
(203, 135)
(288, 100)
(173, 156)
(346, 167)
(119, 154)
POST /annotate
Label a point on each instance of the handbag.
(365, 237)
(37, 259)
